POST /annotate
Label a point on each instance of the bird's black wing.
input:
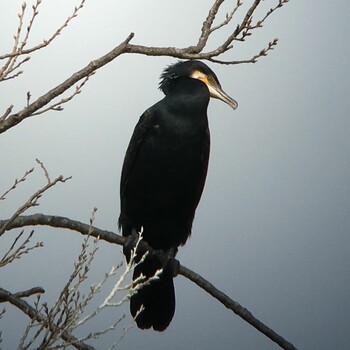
(134, 147)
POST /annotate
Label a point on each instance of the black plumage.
(163, 177)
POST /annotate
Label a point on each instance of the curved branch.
(15, 300)
(62, 222)
(27, 293)
(243, 30)
(235, 307)
(16, 118)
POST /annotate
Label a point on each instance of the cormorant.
(163, 176)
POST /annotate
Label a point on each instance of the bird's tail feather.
(157, 297)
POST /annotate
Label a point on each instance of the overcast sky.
(272, 228)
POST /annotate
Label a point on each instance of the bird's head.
(196, 70)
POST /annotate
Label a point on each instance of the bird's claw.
(170, 265)
(166, 259)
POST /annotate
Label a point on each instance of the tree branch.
(235, 307)
(207, 24)
(33, 199)
(29, 292)
(19, 50)
(62, 222)
(243, 30)
(15, 300)
(16, 118)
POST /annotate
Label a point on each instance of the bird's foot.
(167, 260)
(172, 266)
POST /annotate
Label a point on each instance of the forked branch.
(241, 32)
(17, 301)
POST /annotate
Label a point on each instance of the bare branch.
(279, 5)
(16, 118)
(71, 304)
(44, 170)
(254, 59)
(33, 199)
(20, 51)
(235, 307)
(58, 105)
(28, 97)
(33, 314)
(11, 66)
(228, 17)
(242, 31)
(23, 178)
(61, 222)
(12, 254)
(29, 292)
(206, 28)
(7, 112)
(14, 75)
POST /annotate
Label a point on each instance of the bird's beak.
(217, 92)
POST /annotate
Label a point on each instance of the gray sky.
(272, 228)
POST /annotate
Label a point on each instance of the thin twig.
(58, 105)
(23, 178)
(12, 254)
(44, 170)
(254, 59)
(7, 112)
(32, 201)
(45, 42)
(228, 17)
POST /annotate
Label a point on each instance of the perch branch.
(235, 307)
(62, 222)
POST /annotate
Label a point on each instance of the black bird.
(163, 176)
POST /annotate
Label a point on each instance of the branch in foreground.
(33, 314)
(62, 222)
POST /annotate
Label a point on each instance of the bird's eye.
(210, 78)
